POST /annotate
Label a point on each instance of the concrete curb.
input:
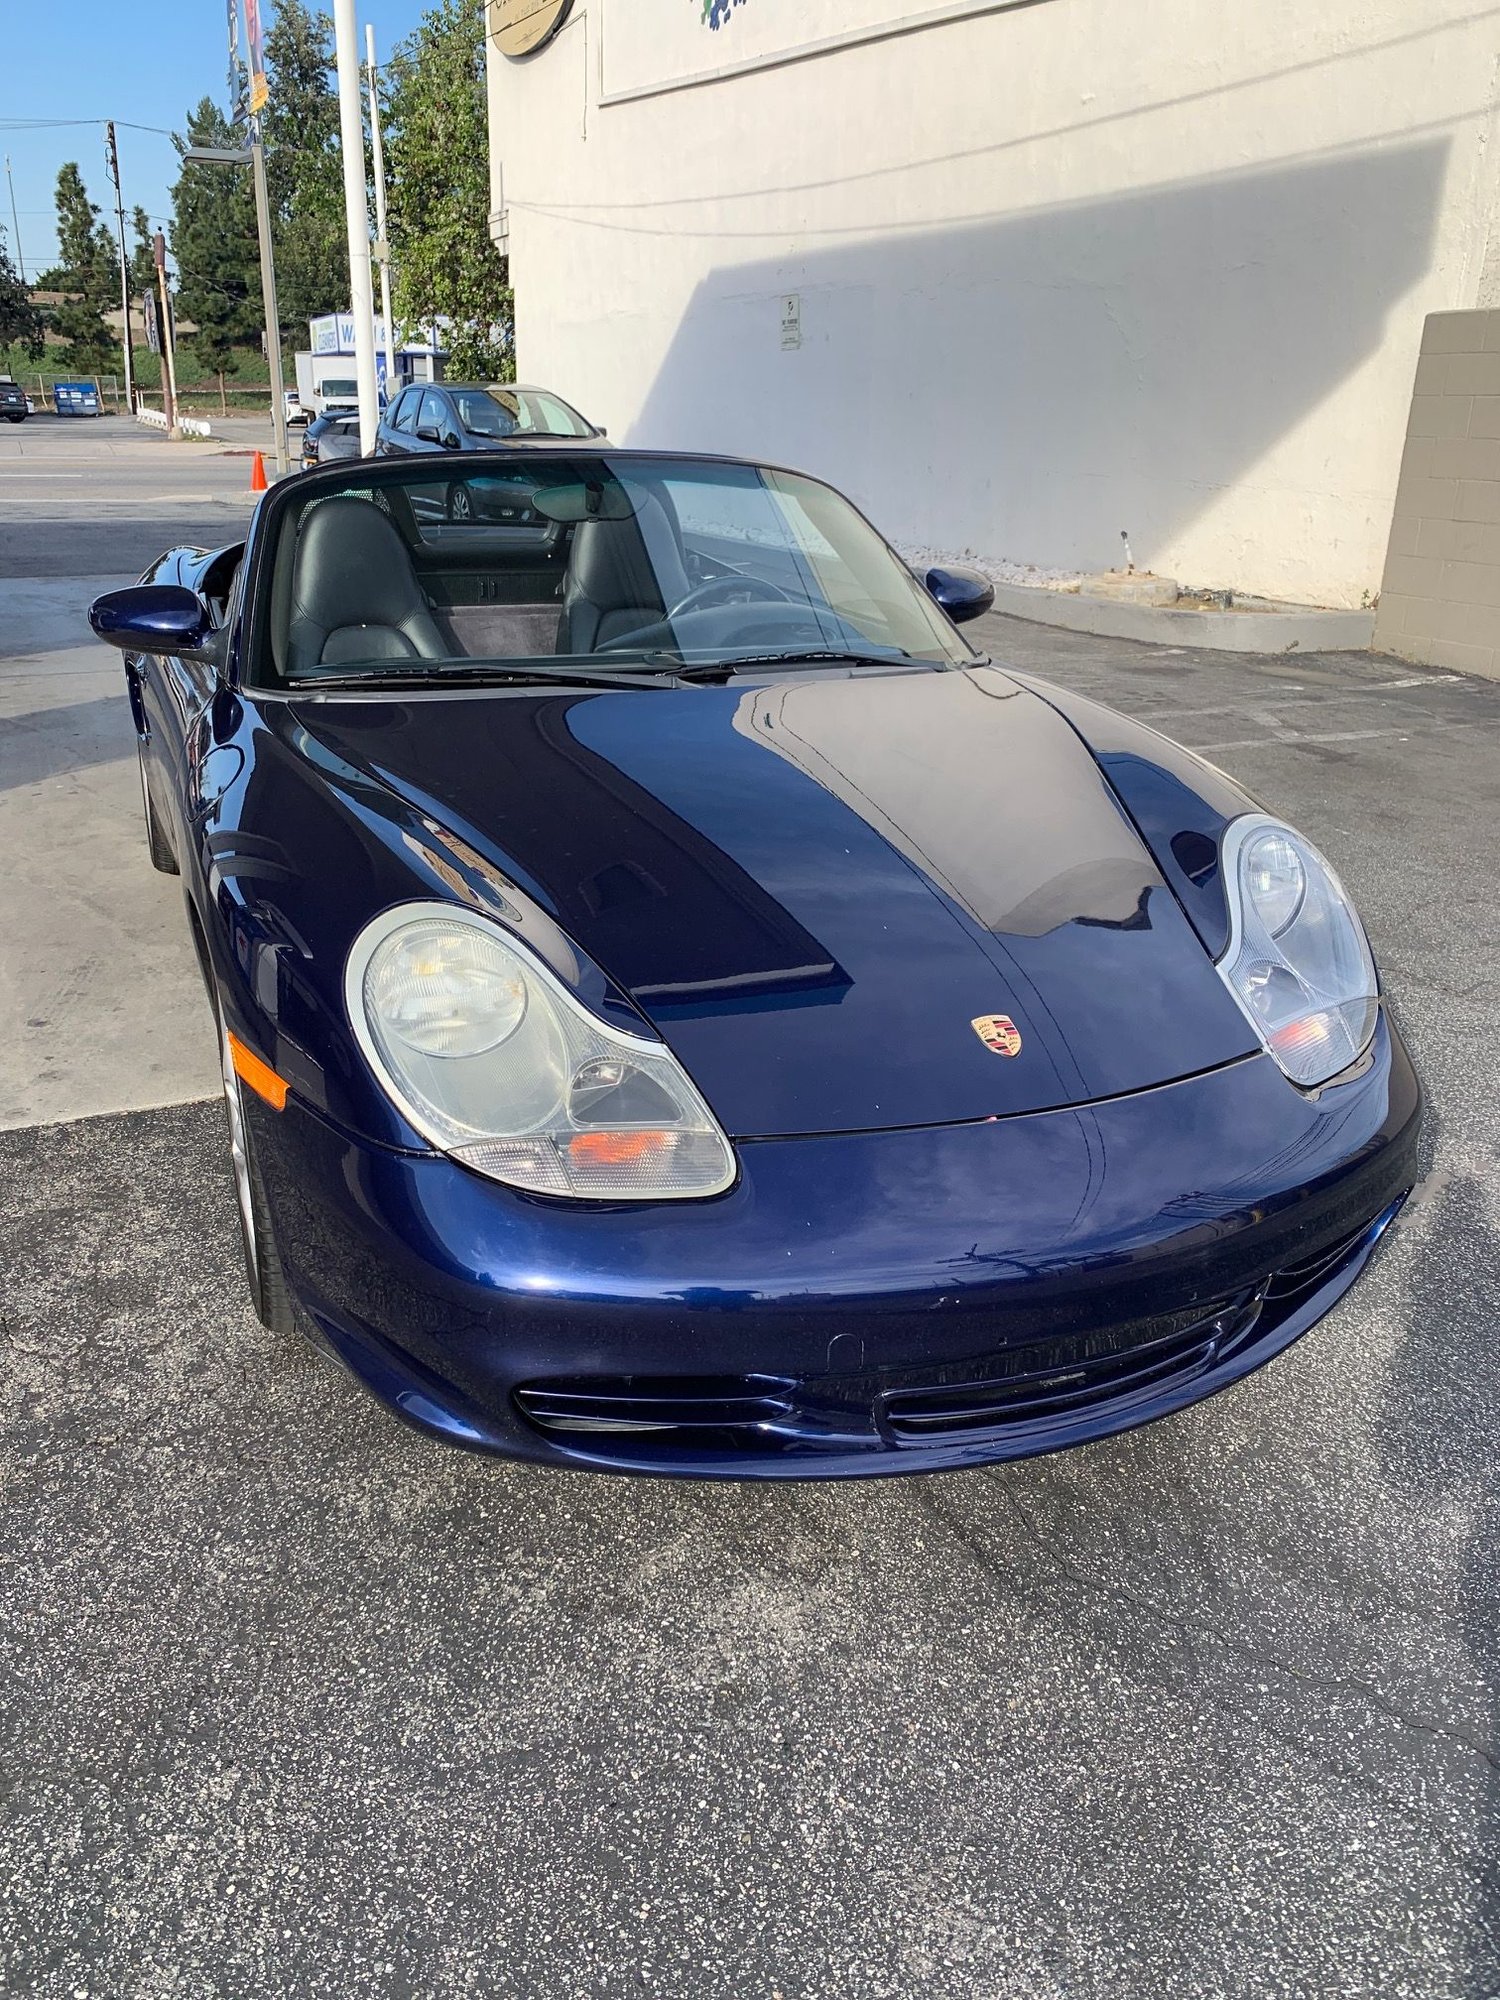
(1292, 630)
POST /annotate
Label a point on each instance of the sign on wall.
(662, 44)
(521, 27)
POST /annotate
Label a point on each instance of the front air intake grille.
(1143, 1357)
(702, 1410)
(1293, 1279)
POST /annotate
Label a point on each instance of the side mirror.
(428, 433)
(962, 593)
(152, 618)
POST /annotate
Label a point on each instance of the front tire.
(264, 1271)
(461, 507)
(16, 416)
(163, 860)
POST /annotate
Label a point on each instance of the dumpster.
(75, 399)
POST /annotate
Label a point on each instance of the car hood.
(815, 887)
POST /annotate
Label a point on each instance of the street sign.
(153, 331)
(791, 319)
(521, 27)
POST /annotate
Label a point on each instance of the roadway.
(297, 1703)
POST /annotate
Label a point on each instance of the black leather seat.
(622, 577)
(355, 596)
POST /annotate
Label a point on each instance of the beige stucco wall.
(1441, 596)
(1063, 270)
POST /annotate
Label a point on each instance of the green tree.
(437, 146)
(20, 322)
(304, 167)
(87, 271)
(215, 245)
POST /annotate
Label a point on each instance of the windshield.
(561, 563)
(502, 411)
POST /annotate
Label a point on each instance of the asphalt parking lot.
(296, 1703)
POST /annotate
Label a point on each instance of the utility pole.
(357, 219)
(268, 297)
(15, 222)
(112, 154)
(254, 157)
(168, 355)
(382, 238)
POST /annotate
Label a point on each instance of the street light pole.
(357, 219)
(254, 157)
(382, 238)
(168, 345)
(112, 154)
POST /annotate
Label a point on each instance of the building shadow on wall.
(1031, 385)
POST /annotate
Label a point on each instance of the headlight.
(1297, 961)
(493, 1059)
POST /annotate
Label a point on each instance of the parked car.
(291, 406)
(476, 416)
(685, 1010)
(15, 405)
(327, 438)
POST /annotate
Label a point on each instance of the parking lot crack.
(1191, 1628)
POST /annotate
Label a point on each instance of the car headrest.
(352, 572)
(631, 564)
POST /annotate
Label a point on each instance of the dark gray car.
(13, 404)
(477, 416)
(327, 438)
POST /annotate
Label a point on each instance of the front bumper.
(857, 1304)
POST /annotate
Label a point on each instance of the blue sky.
(146, 64)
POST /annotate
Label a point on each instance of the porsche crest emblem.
(999, 1033)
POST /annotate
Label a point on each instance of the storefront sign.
(521, 27)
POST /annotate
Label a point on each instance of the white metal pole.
(357, 216)
(168, 348)
(382, 237)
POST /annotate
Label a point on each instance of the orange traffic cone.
(258, 474)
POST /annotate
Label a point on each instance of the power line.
(54, 124)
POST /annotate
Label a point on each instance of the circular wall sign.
(521, 27)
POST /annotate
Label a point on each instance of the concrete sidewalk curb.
(1294, 630)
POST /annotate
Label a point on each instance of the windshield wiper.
(722, 670)
(431, 676)
(822, 657)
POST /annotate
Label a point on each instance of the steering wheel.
(725, 589)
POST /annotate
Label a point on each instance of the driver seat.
(623, 576)
(355, 595)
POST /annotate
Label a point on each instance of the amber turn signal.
(260, 1076)
(618, 1149)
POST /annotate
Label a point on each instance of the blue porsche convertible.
(684, 1010)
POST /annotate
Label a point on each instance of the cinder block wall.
(1441, 598)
